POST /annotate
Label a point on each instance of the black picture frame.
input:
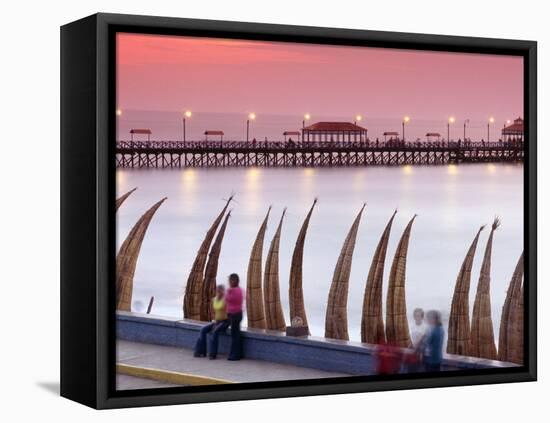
(88, 218)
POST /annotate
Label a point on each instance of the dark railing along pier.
(179, 154)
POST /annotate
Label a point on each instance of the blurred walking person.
(387, 358)
(419, 328)
(433, 342)
(412, 359)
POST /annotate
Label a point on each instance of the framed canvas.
(258, 211)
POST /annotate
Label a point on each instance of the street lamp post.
(358, 118)
(307, 117)
(251, 116)
(186, 114)
(406, 119)
(465, 122)
(451, 120)
(118, 114)
(491, 120)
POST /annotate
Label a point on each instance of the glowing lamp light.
(358, 118)
(252, 116)
(491, 120)
(118, 112)
(451, 119)
(188, 113)
(406, 119)
(307, 116)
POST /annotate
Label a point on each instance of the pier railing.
(295, 154)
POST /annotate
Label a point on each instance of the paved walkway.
(125, 382)
(181, 360)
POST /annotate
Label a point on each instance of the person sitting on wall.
(234, 299)
(218, 325)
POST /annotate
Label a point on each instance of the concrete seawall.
(348, 357)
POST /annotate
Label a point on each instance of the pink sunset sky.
(172, 73)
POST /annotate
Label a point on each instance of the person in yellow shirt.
(217, 326)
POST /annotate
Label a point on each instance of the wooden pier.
(179, 154)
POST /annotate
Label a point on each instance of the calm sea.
(451, 203)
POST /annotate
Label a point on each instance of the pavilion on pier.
(334, 131)
(433, 136)
(514, 131)
(394, 136)
(141, 131)
(213, 132)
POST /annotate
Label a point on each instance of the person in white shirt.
(419, 328)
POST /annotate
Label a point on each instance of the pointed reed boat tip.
(372, 323)
(336, 320)
(208, 288)
(397, 328)
(192, 299)
(119, 201)
(127, 257)
(482, 339)
(255, 298)
(231, 198)
(459, 338)
(482, 227)
(274, 316)
(510, 342)
(295, 289)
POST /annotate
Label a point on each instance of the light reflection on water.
(451, 201)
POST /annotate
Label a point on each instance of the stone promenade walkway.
(177, 360)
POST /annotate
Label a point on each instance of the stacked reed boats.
(264, 307)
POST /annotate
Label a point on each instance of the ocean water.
(451, 202)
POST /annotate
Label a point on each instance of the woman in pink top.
(234, 302)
